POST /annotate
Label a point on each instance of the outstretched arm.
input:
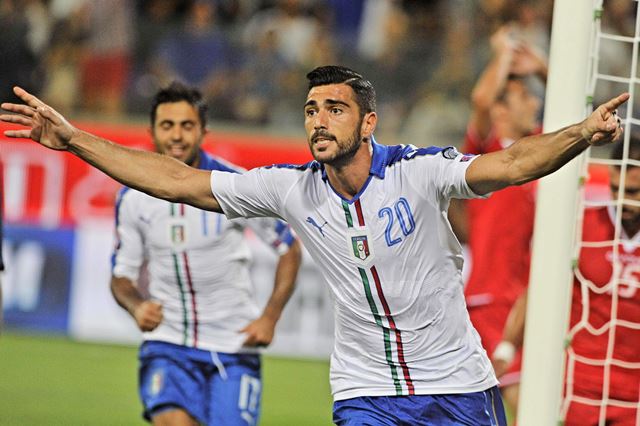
(533, 157)
(157, 175)
(260, 332)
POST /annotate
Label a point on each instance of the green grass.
(56, 381)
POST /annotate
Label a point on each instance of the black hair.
(335, 74)
(177, 92)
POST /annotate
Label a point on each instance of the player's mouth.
(322, 140)
(176, 151)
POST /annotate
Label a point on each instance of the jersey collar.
(206, 161)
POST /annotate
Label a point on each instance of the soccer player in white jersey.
(374, 217)
(199, 362)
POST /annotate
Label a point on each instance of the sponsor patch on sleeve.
(450, 153)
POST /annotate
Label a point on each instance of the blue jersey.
(392, 262)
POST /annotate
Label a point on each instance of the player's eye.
(310, 112)
(336, 110)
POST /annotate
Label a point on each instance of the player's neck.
(349, 178)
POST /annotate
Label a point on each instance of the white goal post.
(555, 221)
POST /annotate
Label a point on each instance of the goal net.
(594, 56)
(603, 342)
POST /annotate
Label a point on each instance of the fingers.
(254, 341)
(614, 103)
(50, 115)
(16, 119)
(27, 97)
(26, 134)
(19, 109)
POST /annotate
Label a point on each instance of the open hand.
(44, 124)
(604, 126)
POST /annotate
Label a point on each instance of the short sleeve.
(256, 193)
(128, 254)
(443, 174)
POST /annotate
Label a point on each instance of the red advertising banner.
(53, 188)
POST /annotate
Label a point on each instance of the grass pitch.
(48, 380)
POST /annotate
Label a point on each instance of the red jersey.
(596, 267)
(500, 231)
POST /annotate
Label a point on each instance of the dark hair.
(177, 92)
(617, 151)
(334, 74)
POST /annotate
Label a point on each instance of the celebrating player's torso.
(392, 262)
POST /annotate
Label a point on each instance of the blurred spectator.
(157, 19)
(500, 228)
(40, 25)
(200, 54)
(19, 61)
(346, 20)
(106, 61)
(248, 56)
(261, 80)
(296, 30)
(62, 60)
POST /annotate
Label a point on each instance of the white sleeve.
(128, 254)
(443, 174)
(256, 193)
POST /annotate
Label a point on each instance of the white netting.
(613, 69)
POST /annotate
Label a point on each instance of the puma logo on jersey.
(313, 222)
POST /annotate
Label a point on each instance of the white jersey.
(392, 262)
(197, 263)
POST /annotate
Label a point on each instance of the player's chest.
(375, 226)
(604, 266)
(178, 226)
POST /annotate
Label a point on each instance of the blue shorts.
(473, 409)
(215, 388)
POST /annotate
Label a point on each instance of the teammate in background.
(584, 391)
(500, 228)
(199, 363)
(374, 218)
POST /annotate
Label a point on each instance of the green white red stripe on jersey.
(185, 285)
(390, 333)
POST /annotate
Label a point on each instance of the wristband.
(505, 351)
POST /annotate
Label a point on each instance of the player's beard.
(346, 148)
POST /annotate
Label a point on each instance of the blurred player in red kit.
(498, 230)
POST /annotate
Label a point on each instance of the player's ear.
(368, 125)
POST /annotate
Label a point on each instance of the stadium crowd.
(108, 57)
